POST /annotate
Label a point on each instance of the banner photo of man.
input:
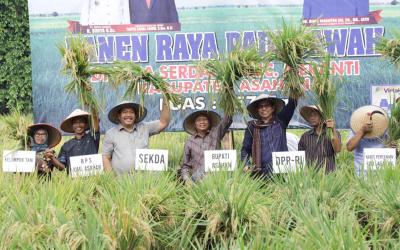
(171, 37)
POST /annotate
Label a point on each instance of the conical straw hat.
(140, 111)
(374, 114)
(306, 111)
(53, 134)
(252, 107)
(188, 123)
(66, 125)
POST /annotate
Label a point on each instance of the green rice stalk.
(15, 125)
(324, 89)
(76, 64)
(240, 63)
(136, 79)
(293, 45)
(394, 125)
(390, 49)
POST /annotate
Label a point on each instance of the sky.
(74, 6)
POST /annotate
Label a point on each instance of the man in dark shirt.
(320, 150)
(153, 11)
(335, 8)
(83, 143)
(267, 133)
(207, 130)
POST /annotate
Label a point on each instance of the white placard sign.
(284, 162)
(151, 159)
(374, 158)
(86, 165)
(19, 161)
(216, 160)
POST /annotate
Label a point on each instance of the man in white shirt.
(105, 12)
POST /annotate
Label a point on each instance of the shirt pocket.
(142, 139)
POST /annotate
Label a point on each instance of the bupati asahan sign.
(171, 37)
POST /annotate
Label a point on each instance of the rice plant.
(390, 49)
(240, 63)
(324, 89)
(15, 127)
(136, 79)
(394, 125)
(76, 60)
(293, 45)
(222, 208)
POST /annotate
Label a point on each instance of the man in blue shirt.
(368, 130)
(267, 133)
(153, 11)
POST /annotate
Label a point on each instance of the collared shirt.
(319, 149)
(273, 137)
(121, 144)
(377, 142)
(87, 145)
(193, 158)
(99, 12)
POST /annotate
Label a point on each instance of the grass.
(304, 210)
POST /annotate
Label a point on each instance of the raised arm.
(355, 140)
(287, 112)
(224, 125)
(165, 115)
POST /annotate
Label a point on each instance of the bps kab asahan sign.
(86, 165)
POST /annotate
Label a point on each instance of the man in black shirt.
(83, 143)
(320, 150)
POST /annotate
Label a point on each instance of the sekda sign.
(151, 159)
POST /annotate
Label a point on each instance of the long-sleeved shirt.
(273, 137)
(193, 158)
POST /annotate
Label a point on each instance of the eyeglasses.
(40, 134)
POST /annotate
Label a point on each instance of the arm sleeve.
(224, 125)
(153, 126)
(349, 135)
(245, 153)
(287, 112)
(301, 146)
(186, 166)
(108, 145)
(96, 138)
(62, 155)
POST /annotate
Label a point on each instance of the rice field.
(307, 210)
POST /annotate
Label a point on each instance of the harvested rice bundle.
(76, 64)
(136, 79)
(293, 45)
(390, 49)
(324, 89)
(238, 64)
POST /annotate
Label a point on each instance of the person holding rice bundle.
(320, 150)
(267, 133)
(43, 137)
(85, 142)
(368, 130)
(121, 142)
(207, 130)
